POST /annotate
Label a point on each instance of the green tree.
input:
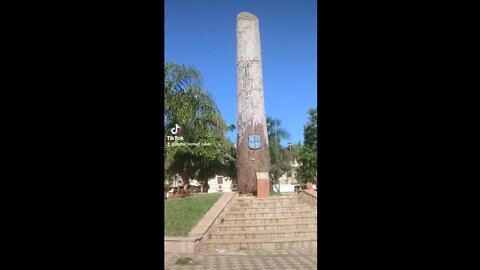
(275, 132)
(279, 158)
(191, 107)
(178, 79)
(308, 153)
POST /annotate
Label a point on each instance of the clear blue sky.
(202, 34)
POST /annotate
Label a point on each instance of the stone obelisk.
(252, 141)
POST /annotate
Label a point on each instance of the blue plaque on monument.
(254, 142)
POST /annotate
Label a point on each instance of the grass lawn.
(274, 193)
(181, 215)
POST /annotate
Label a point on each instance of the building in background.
(288, 183)
(220, 184)
(285, 179)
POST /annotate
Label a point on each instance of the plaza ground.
(246, 260)
(286, 226)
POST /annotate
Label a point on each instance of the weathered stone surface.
(250, 104)
(266, 228)
(308, 196)
(205, 226)
(214, 215)
(180, 244)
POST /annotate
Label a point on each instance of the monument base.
(263, 185)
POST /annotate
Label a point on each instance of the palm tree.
(278, 160)
(178, 78)
(186, 103)
(275, 131)
(192, 108)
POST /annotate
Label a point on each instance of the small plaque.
(262, 176)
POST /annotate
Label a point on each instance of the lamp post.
(290, 154)
(290, 151)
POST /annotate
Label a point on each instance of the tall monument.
(252, 141)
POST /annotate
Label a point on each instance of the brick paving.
(246, 260)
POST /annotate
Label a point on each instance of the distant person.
(309, 185)
(315, 184)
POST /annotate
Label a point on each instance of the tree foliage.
(279, 157)
(191, 107)
(308, 153)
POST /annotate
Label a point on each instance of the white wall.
(226, 186)
(179, 181)
(284, 179)
(284, 188)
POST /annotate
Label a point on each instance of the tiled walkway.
(247, 260)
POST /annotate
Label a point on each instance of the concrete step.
(298, 243)
(270, 199)
(272, 204)
(262, 220)
(273, 223)
(236, 209)
(264, 227)
(265, 234)
(270, 214)
(291, 194)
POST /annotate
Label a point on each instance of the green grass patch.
(274, 193)
(186, 261)
(181, 215)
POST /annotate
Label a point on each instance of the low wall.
(205, 226)
(284, 188)
(180, 244)
(308, 196)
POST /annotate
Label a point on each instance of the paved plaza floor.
(246, 260)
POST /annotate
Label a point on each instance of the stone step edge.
(270, 205)
(264, 231)
(269, 215)
(262, 218)
(271, 212)
(269, 202)
(236, 207)
(269, 199)
(268, 210)
(268, 224)
(243, 241)
(292, 194)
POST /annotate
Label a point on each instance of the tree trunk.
(205, 186)
(185, 182)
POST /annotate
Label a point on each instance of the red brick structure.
(263, 185)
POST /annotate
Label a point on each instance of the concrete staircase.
(274, 223)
